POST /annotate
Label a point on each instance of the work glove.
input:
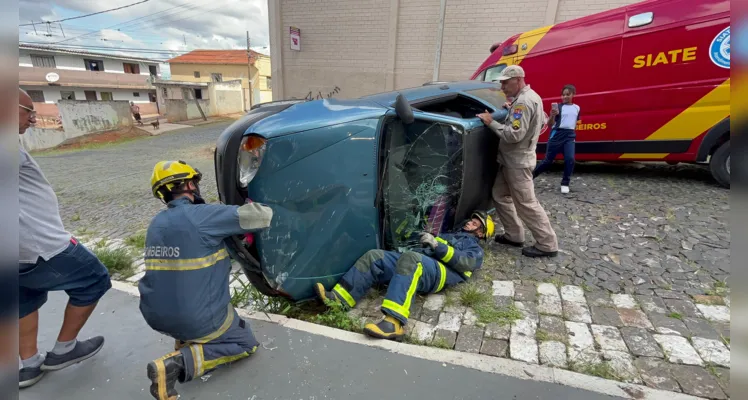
(429, 240)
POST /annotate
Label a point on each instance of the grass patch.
(75, 218)
(137, 240)
(555, 282)
(725, 340)
(575, 217)
(473, 296)
(337, 316)
(586, 287)
(602, 370)
(450, 299)
(441, 343)
(116, 261)
(675, 315)
(488, 313)
(541, 335)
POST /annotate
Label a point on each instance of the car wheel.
(720, 164)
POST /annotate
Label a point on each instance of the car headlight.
(251, 151)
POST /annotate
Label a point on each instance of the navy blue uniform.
(453, 261)
(185, 291)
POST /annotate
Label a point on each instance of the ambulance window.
(493, 73)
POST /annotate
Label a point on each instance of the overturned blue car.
(347, 176)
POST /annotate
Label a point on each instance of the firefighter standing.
(518, 139)
(443, 262)
(185, 291)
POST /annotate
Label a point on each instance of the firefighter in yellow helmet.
(443, 261)
(185, 291)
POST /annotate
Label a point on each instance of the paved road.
(301, 366)
(107, 190)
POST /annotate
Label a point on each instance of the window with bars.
(37, 96)
(43, 61)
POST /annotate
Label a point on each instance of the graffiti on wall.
(319, 96)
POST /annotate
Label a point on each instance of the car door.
(671, 90)
(420, 179)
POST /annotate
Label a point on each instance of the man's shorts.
(76, 270)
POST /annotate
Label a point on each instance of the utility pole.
(185, 39)
(249, 73)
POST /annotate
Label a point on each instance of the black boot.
(164, 374)
(533, 251)
(503, 240)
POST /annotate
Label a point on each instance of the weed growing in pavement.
(675, 315)
(441, 343)
(585, 287)
(555, 281)
(337, 316)
(137, 240)
(487, 312)
(472, 296)
(725, 340)
(450, 298)
(541, 335)
(602, 370)
(116, 260)
(240, 296)
(75, 218)
(711, 301)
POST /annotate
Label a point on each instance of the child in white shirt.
(563, 121)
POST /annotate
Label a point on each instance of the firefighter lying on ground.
(185, 291)
(443, 262)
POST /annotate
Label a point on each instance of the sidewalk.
(290, 364)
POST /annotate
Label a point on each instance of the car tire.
(260, 283)
(719, 164)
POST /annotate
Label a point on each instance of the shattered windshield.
(422, 180)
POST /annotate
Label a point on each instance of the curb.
(494, 365)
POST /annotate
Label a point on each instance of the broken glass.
(422, 181)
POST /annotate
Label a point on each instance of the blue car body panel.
(320, 176)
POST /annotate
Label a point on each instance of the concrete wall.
(182, 110)
(81, 117)
(226, 97)
(186, 73)
(370, 46)
(264, 69)
(40, 139)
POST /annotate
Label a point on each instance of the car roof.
(415, 94)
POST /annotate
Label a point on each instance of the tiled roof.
(215, 57)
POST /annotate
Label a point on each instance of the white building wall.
(24, 59)
(52, 95)
(64, 61)
(75, 62)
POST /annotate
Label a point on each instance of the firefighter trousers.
(406, 274)
(207, 354)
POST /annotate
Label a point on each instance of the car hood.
(315, 114)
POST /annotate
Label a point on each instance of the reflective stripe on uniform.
(450, 250)
(212, 364)
(442, 277)
(224, 327)
(345, 295)
(467, 274)
(185, 264)
(404, 309)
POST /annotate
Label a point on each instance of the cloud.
(158, 24)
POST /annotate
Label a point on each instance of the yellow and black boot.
(325, 295)
(388, 328)
(164, 374)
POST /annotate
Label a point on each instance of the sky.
(159, 29)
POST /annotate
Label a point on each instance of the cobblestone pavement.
(641, 286)
(107, 191)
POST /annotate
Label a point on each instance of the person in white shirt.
(563, 121)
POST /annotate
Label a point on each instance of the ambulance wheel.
(720, 165)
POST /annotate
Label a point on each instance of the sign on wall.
(295, 38)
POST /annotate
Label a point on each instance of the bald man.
(50, 259)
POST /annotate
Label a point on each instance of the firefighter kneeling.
(443, 262)
(185, 291)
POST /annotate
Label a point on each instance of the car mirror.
(403, 110)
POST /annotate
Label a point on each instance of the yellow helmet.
(488, 225)
(168, 175)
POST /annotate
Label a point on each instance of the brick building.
(369, 46)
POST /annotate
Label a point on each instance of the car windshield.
(422, 180)
(493, 96)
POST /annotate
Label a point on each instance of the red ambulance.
(652, 78)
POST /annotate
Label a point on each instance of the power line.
(82, 47)
(88, 15)
(123, 23)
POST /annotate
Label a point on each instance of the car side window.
(421, 181)
(493, 73)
